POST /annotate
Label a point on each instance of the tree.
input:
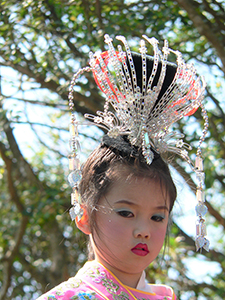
(42, 44)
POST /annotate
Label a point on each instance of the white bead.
(74, 178)
(201, 209)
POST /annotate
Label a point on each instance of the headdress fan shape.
(145, 104)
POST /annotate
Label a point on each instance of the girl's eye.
(125, 213)
(158, 218)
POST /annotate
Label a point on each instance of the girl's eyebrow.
(161, 207)
(126, 202)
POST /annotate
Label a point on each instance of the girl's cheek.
(163, 234)
(116, 228)
(113, 227)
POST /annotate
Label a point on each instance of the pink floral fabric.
(94, 281)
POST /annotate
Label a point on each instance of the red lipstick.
(140, 249)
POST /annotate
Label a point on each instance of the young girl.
(124, 194)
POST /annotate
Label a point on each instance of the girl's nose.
(142, 231)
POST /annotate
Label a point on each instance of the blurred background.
(42, 44)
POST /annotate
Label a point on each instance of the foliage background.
(42, 43)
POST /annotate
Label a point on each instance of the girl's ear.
(83, 222)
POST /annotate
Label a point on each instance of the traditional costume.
(94, 281)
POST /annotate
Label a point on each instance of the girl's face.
(132, 221)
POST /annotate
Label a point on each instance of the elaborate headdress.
(148, 94)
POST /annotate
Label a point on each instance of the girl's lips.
(140, 249)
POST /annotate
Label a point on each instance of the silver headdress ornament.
(143, 112)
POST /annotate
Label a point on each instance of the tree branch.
(24, 167)
(212, 255)
(215, 14)
(41, 103)
(192, 186)
(9, 257)
(11, 188)
(222, 115)
(204, 27)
